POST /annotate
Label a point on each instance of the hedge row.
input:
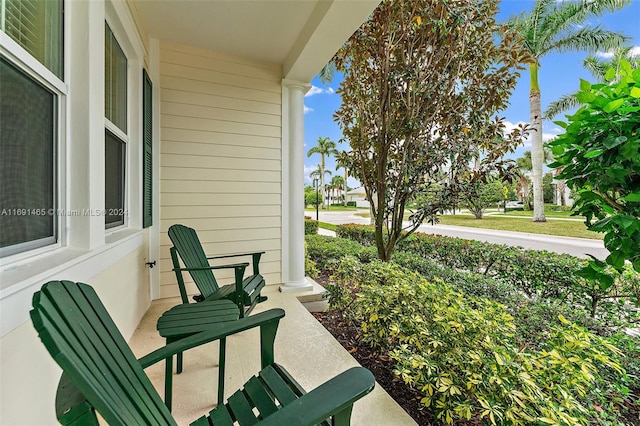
(310, 226)
(459, 352)
(538, 273)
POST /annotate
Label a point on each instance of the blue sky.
(559, 74)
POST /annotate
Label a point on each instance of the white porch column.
(293, 186)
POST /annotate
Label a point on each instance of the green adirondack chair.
(245, 292)
(100, 373)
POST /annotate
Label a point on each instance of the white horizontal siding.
(220, 157)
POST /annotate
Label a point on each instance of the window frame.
(123, 136)
(32, 68)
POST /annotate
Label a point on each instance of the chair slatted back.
(186, 242)
(82, 338)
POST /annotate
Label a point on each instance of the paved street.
(579, 247)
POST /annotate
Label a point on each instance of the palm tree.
(598, 67)
(342, 160)
(318, 174)
(554, 26)
(337, 183)
(326, 148)
(523, 165)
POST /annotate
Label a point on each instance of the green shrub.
(533, 316)
(537, 273)
(310, 226)
(351, 204)
(310, 269)
(458, 352)
(327, 252)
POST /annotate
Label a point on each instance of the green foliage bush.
(310, 269)
(598, 157)
(539, 274)
(311, 199)
(533, 316)
(351, 204)
(327, 252)
(310, 226)
(459, 352)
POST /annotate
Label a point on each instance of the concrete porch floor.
(303, 346)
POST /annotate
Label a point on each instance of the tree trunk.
(322, 180)
(537, 152)
(345, 186)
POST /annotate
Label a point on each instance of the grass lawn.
(329, 226)
(563, 228)
(547, 213)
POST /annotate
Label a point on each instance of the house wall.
(29, 374)
(111, 260)
(220, 156)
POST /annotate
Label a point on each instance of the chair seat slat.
(260, 397)
(277, 386)
(241, 409)
(220, 417)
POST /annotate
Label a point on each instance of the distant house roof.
(357, 191)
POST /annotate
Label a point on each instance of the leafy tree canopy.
(423, 83)
(599, 155)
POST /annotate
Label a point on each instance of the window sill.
(20, 280)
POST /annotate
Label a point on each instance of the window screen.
(27, 159)
(114, 157)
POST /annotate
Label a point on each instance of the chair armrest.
(235, 255)
(242, 265)
(255, 257)
(267, 321)
(332, 397)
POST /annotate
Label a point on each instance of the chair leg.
(168, 381)
(221, 365)
(179, 362)
(343, 418)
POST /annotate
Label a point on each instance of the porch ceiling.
(301, 35)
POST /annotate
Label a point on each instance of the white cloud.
(527, 143)
(604, 55)
(315, 90)
(634, 52)
(307, 170)
(307, 109)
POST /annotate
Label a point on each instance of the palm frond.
(587, 39)
(596, 67)
(327, 72)
(565, 103)
(551, 21)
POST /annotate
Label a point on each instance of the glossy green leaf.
(610, 74)
(635, 92)
(585, 97)
(612, 142)
(613, 105)
(594, 153)
(585, 85)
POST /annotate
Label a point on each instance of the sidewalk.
(579, 247)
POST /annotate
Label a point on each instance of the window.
(36, 25)
(115, 106)
(29, 124)
(27, 158)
